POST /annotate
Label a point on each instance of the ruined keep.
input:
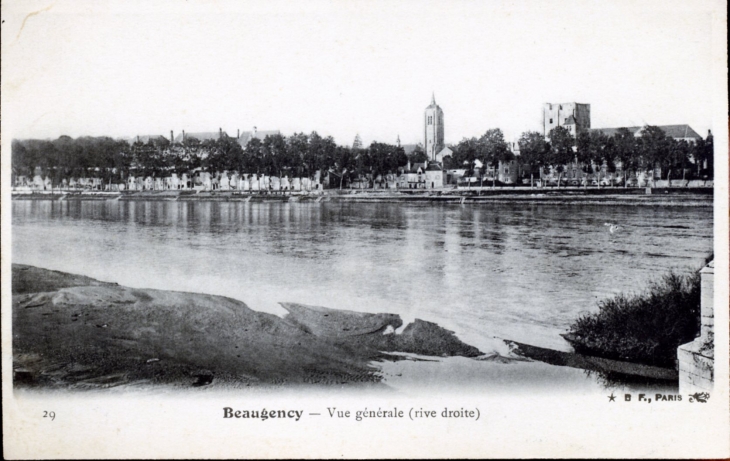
(574, 117)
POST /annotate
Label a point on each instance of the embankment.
(686, 197)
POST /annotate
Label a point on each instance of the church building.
(433, 122)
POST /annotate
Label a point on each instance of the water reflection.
(522, 272)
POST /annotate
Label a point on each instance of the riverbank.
(71, 331)
(75, 332)
(687, 197)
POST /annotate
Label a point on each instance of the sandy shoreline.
(75, 332)
(71, 331)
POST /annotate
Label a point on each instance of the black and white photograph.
(362, 229)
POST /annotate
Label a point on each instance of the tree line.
(490, 150)
(622, 152)
(303, 155)
(298, 155)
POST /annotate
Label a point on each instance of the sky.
(346, 67)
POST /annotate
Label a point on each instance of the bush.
(645, 328)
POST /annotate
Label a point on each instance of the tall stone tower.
(433, 128)
(573, 116)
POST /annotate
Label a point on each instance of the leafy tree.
(466, 154)
(679, 153)
(702, 153)
(379, 158)
(534, 152)
(361, 162)
(192, 156)
(607, 149)
(398, 159)
(313, 153)
(662, 151)
(344, 163)
(561, 150)
(253, 156)
(107, 151)
(587, 153)
(176, 159)
(68, 156)
(654, 147)
(273, 152)
(627, 152)
(493, 150)
(326, 155)
(299, 155)
(418, 155)
(19, 160)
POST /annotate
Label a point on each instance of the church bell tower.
(433, 122)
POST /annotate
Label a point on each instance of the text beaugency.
(263, 414)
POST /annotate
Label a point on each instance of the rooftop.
(246, 136)
(201, 135)
(673, 131)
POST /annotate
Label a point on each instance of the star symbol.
(611, 398)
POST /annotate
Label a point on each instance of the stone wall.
(697, 359)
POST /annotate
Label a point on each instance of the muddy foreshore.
(71, 331)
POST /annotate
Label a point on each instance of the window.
(561, 107)
(430, 120)
(506, 170)
(551, 121)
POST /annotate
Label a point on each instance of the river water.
(521, 272)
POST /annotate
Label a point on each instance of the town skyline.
(363, 72)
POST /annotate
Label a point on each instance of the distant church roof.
(409, 148)
(673, 131)
(243, 138)
(200, 136)
(147, 137)
(246, 136)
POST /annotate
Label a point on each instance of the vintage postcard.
(364, 229)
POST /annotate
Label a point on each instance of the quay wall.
(696, 359)
(567, 196)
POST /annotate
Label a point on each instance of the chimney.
(238, 133)
(183, 132)
(220, 133)
(172, 138)
(137, 138)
